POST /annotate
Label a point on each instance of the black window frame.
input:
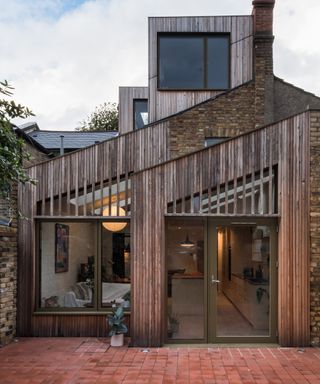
(204, 35)
(134, 112)
(97, 308)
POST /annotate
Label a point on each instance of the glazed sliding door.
(242, 281)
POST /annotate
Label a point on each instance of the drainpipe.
(61, 146)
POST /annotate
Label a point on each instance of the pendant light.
(187, 243)
(114, 226)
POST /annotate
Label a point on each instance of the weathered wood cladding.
(69, 176)
(285, 145)
(166, 103)
(93, 166)
(126, 97)
(69, 325)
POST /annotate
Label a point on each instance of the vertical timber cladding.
(126, 97)
(166, 103)
(72, 175)
(285, 144)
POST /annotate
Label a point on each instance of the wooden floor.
(90, 360)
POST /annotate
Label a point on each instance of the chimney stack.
(263, 17)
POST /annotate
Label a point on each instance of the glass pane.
(218, 62)
(244, 274)
(67, 257)
(181, 63)
(115, 263)
(185, 277)
(140, 108)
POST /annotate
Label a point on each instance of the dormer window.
(193, 61)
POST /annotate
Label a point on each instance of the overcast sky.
(64, 57)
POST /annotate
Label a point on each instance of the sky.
(65, 57)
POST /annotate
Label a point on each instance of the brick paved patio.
(90, 360)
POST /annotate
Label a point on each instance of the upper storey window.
(140, 113)
(193, 61)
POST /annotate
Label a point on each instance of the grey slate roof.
(51, 140)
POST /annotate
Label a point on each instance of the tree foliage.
(11, 147)
(104, 118)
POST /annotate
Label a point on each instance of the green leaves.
(12, 153)
(116, 320)
(104, 118)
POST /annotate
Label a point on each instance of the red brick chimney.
(262, 15)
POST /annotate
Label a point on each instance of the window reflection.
(67, 259)
(185, 276)
(115, 266)
(193, 61)
(140, 111)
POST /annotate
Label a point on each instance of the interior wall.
(241, 248)
(81, 245)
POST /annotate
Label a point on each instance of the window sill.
(101, 312)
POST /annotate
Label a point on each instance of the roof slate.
(71, 139)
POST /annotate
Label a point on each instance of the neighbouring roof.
(29, 127)
(51, 140)
(28, 139)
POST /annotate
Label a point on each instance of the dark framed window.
(83, 265)
(193, 61)
(140, 113)
(213, 140)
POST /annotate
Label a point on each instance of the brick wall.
(290, 100)
(36, 155)
(315, 228)
(8, 257)
(8, 275)
(227, 115)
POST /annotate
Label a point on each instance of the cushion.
(51, 302)
(78, 290)
(86, 291)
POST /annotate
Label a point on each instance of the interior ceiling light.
(114, 226)
(187, 243)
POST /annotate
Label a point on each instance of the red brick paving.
(89, 360)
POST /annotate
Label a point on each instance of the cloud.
(66, 57)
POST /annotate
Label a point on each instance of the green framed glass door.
(242, 280)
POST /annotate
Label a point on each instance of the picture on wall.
(61, 248)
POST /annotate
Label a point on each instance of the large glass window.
(84, 265)
(140, 112)
(185, 277)
(67, 264)
(115, 264)
(197, 61)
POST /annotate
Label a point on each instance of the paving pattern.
(90, 360)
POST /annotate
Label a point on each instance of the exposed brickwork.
(263, 16)
(289, 100)
(226, 116)
(8, 256)
(35, 155)
(240, 110)
(264, 81)
(315, 227)
(8, 275)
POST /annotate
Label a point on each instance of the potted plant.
(117, 328)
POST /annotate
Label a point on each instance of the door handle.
(213, 280)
